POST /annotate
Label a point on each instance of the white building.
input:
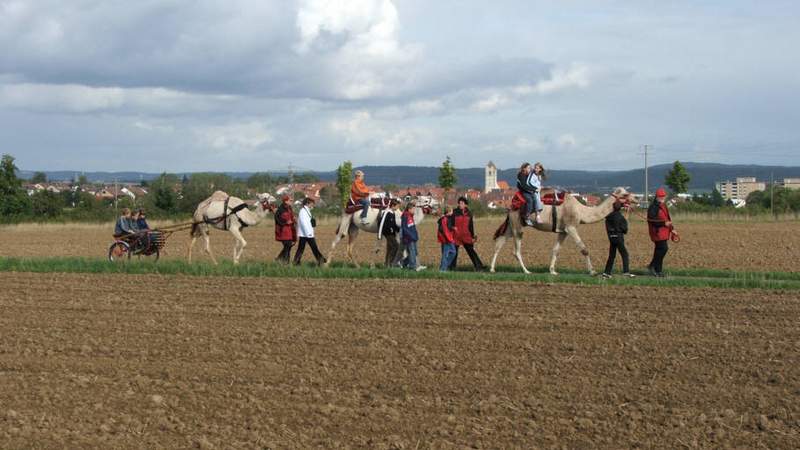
(490, 182)
(740, 189)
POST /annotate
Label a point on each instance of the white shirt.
(304, 228)
(535, 180)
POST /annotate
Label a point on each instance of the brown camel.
(568, 216)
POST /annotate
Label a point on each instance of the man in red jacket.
(446, 234)
(659, 225)
(465, 234)
(285, 230)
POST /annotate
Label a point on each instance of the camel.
(569, 215)
(350, 224)
(212, 212)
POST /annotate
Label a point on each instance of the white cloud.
(566, 141)
(235, 136)
(576, 75)
(80, 99)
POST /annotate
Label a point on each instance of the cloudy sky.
(248, 85)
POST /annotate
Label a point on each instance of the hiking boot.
(651, 271)
(365, 221)
(629, 275)
(605, 275)
(538, 219)
(529, 222)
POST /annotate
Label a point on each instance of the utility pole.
(116, 194)
(646, 185)
(772, 193)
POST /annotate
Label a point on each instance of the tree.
(447, 175)
(678, 178)
(716, 199)
(82, 180)
(39, 177)
(164, 196)
(344, 178)
(260, 181)
(14, 200)
(46, 204)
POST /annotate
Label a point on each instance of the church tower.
(490, 182)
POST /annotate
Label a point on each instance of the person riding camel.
(529, 183)
(360, 194)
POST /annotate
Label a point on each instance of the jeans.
(365, 207)
(312, 243)
(617, 243)
(529, 203)
(537, 202)
(448, 252)
(283, 256)
(411, 259)
(660, 251)
(473, 256)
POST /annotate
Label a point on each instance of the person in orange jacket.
(360, 194)
(659, 225)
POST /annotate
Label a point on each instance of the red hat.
(285, 198)
(660, 192)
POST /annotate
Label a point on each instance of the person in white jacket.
(305, 232)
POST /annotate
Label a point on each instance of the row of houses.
(131, 191)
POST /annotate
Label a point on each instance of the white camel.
(350, 224)
(227, 213)
(569, 215)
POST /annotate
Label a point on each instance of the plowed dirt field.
(741, 246)
(123, 361)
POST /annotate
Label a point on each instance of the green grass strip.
(677, 278)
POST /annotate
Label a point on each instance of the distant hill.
(704, 175)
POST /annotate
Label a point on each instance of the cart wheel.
(119, 252)
(152, 256)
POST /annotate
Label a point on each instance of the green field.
(675, 278)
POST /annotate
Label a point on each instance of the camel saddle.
(549, 197)
(379, 203)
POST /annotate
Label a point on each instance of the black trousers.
(312, 243)
(660, 251)
(473, 256)
(617, 244)
(393, 252)
(283, 256)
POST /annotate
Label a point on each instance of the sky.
(255, 85)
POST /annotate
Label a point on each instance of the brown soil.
(744, 246)
(165, 362)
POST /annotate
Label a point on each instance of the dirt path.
(154, 362)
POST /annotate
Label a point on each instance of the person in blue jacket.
(410, 238)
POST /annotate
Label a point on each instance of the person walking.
(465, 234)
(446, 235)
(617, 228)
(660, 227)
(410, 238)
(305, 233)
(389, 231)
(285, 230)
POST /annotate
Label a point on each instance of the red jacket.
(465, 231)
(446, 233)
(285, 229)
(657, 216)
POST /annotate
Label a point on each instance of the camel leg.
(554, 253)
(518, 251)
(341, 234)
(191, 246)
(239, 245)
(498, 245)
(351, 240)
(573, 233)
(207, 247)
